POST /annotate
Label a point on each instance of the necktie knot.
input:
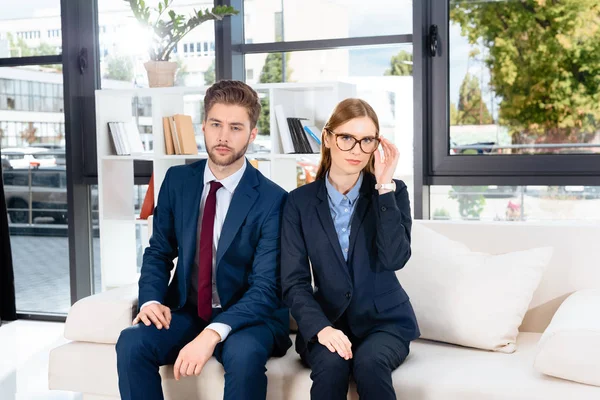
(214, 186)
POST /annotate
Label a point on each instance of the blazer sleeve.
(296, 276)
(158, 256)
(393, 228)
(262, 299)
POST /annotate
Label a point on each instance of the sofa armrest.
(101, 318)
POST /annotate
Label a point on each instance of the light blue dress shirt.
(342, 209)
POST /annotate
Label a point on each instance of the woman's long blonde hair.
(345, 111)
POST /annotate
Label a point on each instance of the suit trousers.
(375, 357)
(142, 349)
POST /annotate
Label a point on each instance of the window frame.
(446, 169)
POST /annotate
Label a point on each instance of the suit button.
(384, 208)
(348, 294)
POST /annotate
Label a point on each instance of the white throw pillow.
(570, 346)
(467, 298)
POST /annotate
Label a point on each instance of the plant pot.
(160, 73)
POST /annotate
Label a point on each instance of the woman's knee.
(329, 364)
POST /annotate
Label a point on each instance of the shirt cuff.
(222, 329)
(148, 303)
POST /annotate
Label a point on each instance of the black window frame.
(554, 169)
(80, 61)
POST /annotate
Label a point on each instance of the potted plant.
(167, 33)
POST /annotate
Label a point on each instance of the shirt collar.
(336, 197)
(229, 183)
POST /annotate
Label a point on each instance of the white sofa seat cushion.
(469, 298)
(101, 318)
(432, 371)
(570, 346)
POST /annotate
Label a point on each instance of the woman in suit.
(351, 229)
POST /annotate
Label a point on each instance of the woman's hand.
(336, 341)
(386, 166)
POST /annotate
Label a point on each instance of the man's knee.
(244, 360)
(132, 343)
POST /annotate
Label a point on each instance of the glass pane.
(33, 154)
(515, 203)
(382, 76)
(524, 78)
(124, 44)
(289, 20)
(30, 28)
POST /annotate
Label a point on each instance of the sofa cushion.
(570, 346)
(432, 371)
(101, 318)
(468, 298)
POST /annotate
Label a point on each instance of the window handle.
(82, 60)
(434, 39)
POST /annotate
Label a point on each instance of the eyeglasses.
(346, 142)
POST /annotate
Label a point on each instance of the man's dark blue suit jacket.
(248, 253)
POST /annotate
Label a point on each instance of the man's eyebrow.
(231, 123)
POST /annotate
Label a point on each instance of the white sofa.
(433, 371)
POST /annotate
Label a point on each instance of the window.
(129, 43)
(509, 126)
(45, 179)
(284, 20)
(506, 97)
(32, 130)
(518, 90)
(515, 203)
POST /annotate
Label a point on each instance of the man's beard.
(232, 158)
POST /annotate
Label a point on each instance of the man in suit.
(221, 218)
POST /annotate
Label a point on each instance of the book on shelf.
(148, 204)
(313, 138)
(179, 135)
(284, 130)
(294, 138)
(126, 138)
(169, 147)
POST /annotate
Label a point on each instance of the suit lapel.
(191, 210)
(325, 216)
(243, 199)
(364, 201)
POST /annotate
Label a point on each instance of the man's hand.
(156, 314)
(336, 341)
(195, 354)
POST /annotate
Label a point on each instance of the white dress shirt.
(224, 196)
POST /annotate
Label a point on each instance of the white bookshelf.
(117, 217)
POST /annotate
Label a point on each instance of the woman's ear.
(325, 138)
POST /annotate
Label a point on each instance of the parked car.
(48, 194)
(47, 191)
(23, 157)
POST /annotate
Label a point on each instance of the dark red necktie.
(206, 253)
